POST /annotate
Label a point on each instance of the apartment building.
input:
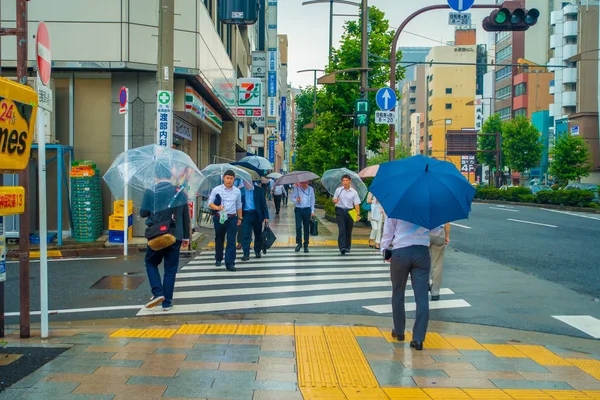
(531, 89)
(413, 100)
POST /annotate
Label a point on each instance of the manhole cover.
(124, 282)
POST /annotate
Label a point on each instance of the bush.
(329, 208)
(568, 197)
(527, 198)
(594, 205)
(514, 193)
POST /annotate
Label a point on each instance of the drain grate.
(121, 282)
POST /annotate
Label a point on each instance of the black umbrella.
(296, 177)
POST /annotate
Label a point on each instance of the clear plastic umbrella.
(213, 177)
(296, 177)
(156, 177)
(332, 180)
(258, 162)
(274, 175)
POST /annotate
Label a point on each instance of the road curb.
(549, 206)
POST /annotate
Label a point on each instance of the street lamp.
(331, 15)
(314, 71)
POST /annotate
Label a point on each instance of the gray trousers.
(413, 260)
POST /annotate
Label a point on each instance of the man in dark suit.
(255, 212)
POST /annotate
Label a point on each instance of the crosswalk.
(285, 281)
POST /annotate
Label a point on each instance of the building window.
(448, 106)
(430, 107)
(521, 111)
(413, 100)
(431, 93)
(503, 93)
(448, 90)
(520, 90)
(503, 73)
(413, 89)
(504, 54)
(229, 40)
(500, 36)
(505, 113)
(412, 111)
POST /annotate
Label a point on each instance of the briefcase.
(268, 238)
(314, 227)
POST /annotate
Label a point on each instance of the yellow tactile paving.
(447, 394)
(129, 333)
(504, 350)
(352, 368)
(192, 329)
(158, 333)
(526, 394)
(50, 253)
(366, 331)
(487, 394)
(466, 343)
(387, 334)
(594, 394)
(566, 394)
(221, 329)
(279, 330)
(436, 341)
(591, 367)
(250, 330)
(542, 355)
(406, 394)
(311, 393)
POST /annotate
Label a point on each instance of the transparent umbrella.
(258, 162)
(156, 177)
(332, 180)
(213, 177)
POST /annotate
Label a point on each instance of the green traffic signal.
(501, 16)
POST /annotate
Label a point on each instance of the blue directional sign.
(460, 5)
(386, 98)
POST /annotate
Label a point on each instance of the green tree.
(521, 144)
(491, 125)
(384, 156)
(571, 159)
(334, 142)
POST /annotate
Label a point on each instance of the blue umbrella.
(422, 190)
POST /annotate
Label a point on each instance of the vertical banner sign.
(478, 124)
(283, 127)
(2, 251)
(272, 107)
(272, 141)
(164, 118)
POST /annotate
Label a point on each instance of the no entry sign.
(44, 58)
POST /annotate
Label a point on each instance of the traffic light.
(509, 18)
(361, 112)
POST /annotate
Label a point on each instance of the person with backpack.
(168, 229)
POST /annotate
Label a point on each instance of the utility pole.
(166, 34)
(362, 159)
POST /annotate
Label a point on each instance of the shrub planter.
(550, 206)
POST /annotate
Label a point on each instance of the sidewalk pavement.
(263, 360)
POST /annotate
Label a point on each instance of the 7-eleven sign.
(250, 98)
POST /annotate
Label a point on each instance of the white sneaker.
(168, 308)
(154, 301)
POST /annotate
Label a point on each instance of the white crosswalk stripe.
(283, 280)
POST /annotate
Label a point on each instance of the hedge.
(569, 197)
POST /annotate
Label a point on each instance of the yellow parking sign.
(12, 200)
(18, 110)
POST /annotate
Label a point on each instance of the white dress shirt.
(401, 234)
(307, 197)
(231, 199)
(346, 198)
(278, 190)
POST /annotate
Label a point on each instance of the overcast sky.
(307, 28)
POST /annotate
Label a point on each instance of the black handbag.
(314, 227)
(268, 238)
(160, 231)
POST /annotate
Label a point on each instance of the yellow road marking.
(366, 331)
(221, 329)
(542, 355)
(526, 394)
(192, 329)
(50, 253)
(279, 330)
(464, 343)
(436, 341)
(594, 394)
(487, 394)
(128, 333)
(250, 330)
(406, 394)
(591, 367)
(158, 333)
(447, 394)
(566, 394)
(504, 350)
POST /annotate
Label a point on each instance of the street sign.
(386, 98)
(258, 140)
(44, 96)
(272, 141)
(456, 18)
(123, 100)
(361, 112)
(12, 200)
(385, 117)
(575, 130)
(467, 164)
(460, 5)
(44, 58)
(18, 112)
(164, 118)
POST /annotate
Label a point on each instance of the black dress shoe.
(399, 338)
(264, 251)
(435, 297)
(343, 251)
(258, 255)
(245, 258)
(231, 268)
(306, 249)
(416, 345)
(298, 247)
(348, 250)
(218, 263)
(429, 287)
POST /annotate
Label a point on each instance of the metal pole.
(3, 239)
(426, 115)
(166, 23)
(41, 138)
(393, 54)
(498, 155)
(25, 305)
(446, 139)
(315, 100)
(364, 80)
(330, 31)
(126, 195)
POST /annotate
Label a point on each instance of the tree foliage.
(384, 156)
(571, 159)
(334, 142)
(491, 125)
(521, 144)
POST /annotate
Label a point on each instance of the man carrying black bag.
(168, 229)
(255, 213)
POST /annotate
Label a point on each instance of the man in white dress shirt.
(345, 199)
(304, 198)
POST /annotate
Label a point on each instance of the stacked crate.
(115, 222)
(86, 201)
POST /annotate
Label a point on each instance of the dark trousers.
(302, 221)
(170, 257)
(230, 229)
(277, 198)
(416, 262)
(251, 224)
(345, 224)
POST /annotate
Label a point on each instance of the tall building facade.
(411, 55)
(412, 100)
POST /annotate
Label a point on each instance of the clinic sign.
(164, 118)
